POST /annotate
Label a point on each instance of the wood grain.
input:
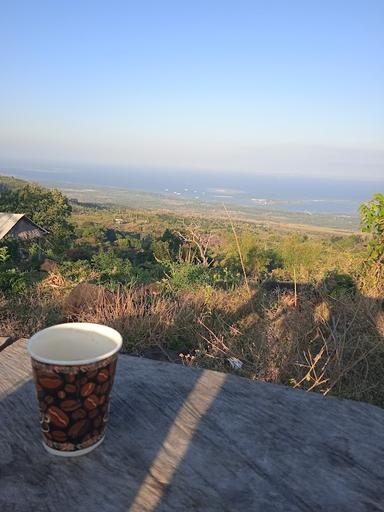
(184, 439)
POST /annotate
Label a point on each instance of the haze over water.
(281, 192)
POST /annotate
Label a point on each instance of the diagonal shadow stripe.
(176, 444)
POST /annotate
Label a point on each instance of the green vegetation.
(372, 214)
(10, 183)
(307, 313)
(48, 208)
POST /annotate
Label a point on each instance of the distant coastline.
(321, 202)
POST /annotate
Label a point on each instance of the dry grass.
(331, 345)
(145, 319)
(31, 311)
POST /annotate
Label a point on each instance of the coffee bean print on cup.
(59, 435)
(70, 389)
(57, 417)
(52, 382)
(79, 414)
(74, 402)
(70, 405)
(78, 429)
(87, 389)
(103, 375)
(91, 402)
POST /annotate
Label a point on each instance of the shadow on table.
(149, 433)
(174, 443)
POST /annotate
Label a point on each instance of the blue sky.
(271, 86)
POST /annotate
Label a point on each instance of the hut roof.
(17, 225)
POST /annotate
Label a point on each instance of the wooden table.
(183, 439)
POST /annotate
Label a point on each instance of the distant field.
(291, 220)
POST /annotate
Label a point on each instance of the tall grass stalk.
(239, 251)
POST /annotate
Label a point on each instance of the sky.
(263, 87)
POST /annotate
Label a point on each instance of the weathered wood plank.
(6, 341)
(184, 439)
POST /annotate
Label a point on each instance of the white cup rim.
(100, 329)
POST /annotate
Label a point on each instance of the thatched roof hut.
(20, 227)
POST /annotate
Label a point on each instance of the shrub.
(92, 233)
(184, 276)
(111, 268)
(337, 284)
(372, 221)
(4, 254)
(79, 270)
(258, 260)
(84, 251)
(187, 275)
(301, 256)
(147, 274)
(12, 281)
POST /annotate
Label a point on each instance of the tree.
(199, 242)
(48, 208)
(161, 251)
(174, 242)
(372, 221)
(92, 233)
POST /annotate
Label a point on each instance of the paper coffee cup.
(73, 368)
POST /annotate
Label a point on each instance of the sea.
(278, 192)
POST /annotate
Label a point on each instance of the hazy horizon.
(309, 195)
(247, 88)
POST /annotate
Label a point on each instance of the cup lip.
(109, 332)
